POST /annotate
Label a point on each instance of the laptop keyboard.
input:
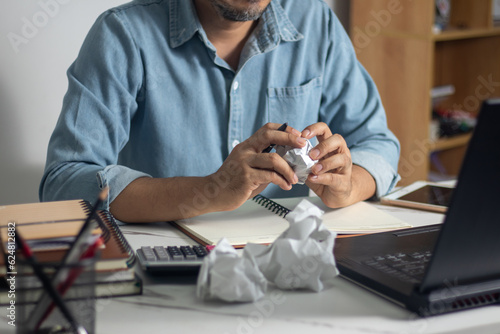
(408, 267)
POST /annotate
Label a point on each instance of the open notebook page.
(254, 223)
(358, 218)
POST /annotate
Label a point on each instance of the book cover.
(45, 224)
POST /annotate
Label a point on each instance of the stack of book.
(49, 229)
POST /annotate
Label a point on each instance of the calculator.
(171, 259)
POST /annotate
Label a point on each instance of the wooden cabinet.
(396, 42)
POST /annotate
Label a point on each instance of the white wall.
(39, 39)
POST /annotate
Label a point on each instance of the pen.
(73, 255)
(47, 285)
(74, 273)
(270, 147)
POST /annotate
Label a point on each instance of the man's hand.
(247, 171)
(244, 174)
(334, 178)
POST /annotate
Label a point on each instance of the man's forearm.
(166, 199)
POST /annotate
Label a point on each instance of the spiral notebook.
(261, 220)
(50, 227)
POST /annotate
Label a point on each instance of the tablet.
(421, 195)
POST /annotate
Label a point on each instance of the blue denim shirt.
(148, 96)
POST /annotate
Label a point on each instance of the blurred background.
(434, 62)
(39, 40)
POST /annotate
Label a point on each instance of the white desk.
(342, 308)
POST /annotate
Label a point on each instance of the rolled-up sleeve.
(352, 107)
(94, 124)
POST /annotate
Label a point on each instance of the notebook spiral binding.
(109, 228)
(86, 207)
(271, 205)
(105, 230)
(117, 233)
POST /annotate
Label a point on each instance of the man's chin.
(253, 11)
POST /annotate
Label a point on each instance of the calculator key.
(200, 251)
(188, 253)
(173, 249)
(148, 253)
(161, 253)
(186, 250)
(175, 253)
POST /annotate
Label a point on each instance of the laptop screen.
(468, 247)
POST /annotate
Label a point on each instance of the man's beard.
(231, 13)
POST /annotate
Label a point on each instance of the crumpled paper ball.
(302, 256)
(298, 159)
(226, 276)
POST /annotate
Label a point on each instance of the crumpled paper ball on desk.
(300, 258)
(226, 276)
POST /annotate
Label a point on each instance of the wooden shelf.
(406, 60)
(457, 34)
(450, 142)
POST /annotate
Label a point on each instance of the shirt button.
(236, 85)
(235, 142)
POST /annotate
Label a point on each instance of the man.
(171, 103)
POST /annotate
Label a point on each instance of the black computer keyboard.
(171, 259)
(404, 266)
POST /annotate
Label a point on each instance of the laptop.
(446, 267)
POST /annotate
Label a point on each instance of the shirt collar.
(275, 25)
(277, 22)
(184, 22)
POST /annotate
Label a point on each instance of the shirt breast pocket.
(299, 105)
